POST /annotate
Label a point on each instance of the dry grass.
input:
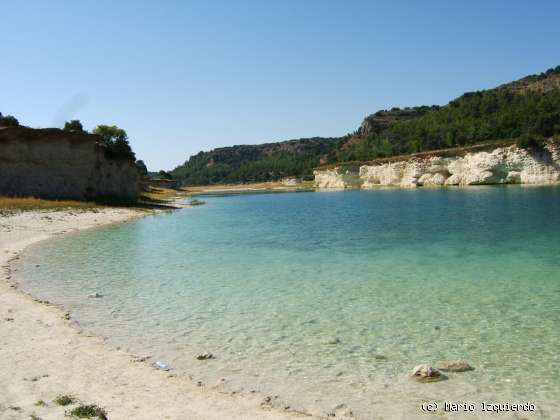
(162, 194)
(32, 203)
(152, 199)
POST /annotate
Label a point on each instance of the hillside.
(255, 163)
(528, 108)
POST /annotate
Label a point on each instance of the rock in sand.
(204, 356)
(426, 373)
(162, 366)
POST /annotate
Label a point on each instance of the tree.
(142, 167)
(8, 121)
(116, 140)
(74, 125)
(164, 175)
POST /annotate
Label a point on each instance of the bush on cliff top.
(116, 140)
(141, 167)
(74, 126)
(8, 121)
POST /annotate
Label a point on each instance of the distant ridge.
(526, 107)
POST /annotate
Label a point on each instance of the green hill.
(526, 108)
(255, 163)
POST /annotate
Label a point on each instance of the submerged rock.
(195, 202)
(335, 340)
(95, 295)
(426, 373)
(204, 356)
(454, 366)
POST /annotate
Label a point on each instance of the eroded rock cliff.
(503, 165)
(52, 163)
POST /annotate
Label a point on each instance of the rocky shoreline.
(503, 165)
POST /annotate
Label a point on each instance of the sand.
(43, 354)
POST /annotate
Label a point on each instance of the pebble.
(204, 356)
(162, 366)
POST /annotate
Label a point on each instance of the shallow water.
(268, 282)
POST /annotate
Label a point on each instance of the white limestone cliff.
(337, 178)
(503, 165)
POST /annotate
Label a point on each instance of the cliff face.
(503, 165)
(52, 163)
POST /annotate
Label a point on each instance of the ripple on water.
(329, 299)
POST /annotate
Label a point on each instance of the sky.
(186, 76)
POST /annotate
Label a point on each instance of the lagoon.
(327, 300)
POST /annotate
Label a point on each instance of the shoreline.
(45, 355)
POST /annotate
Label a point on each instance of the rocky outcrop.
(375, 123)
(503, 165)
(426, 373)
(338, 178)
(290, 182)
(53, 163)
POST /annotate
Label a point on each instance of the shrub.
(74, 125)
(116, 140)
(87, 412)
(164, 175)
(530, 142)
(141, 167)
(8, 121)
(65, 400)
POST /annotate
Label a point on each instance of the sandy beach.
(44, 353)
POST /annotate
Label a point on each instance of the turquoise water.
(268, 283)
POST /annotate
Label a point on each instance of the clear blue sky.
(185, 76)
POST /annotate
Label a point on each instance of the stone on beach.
(426, 373)
(204, 356)
(95, 295)
(162, 366)
(454, 366)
